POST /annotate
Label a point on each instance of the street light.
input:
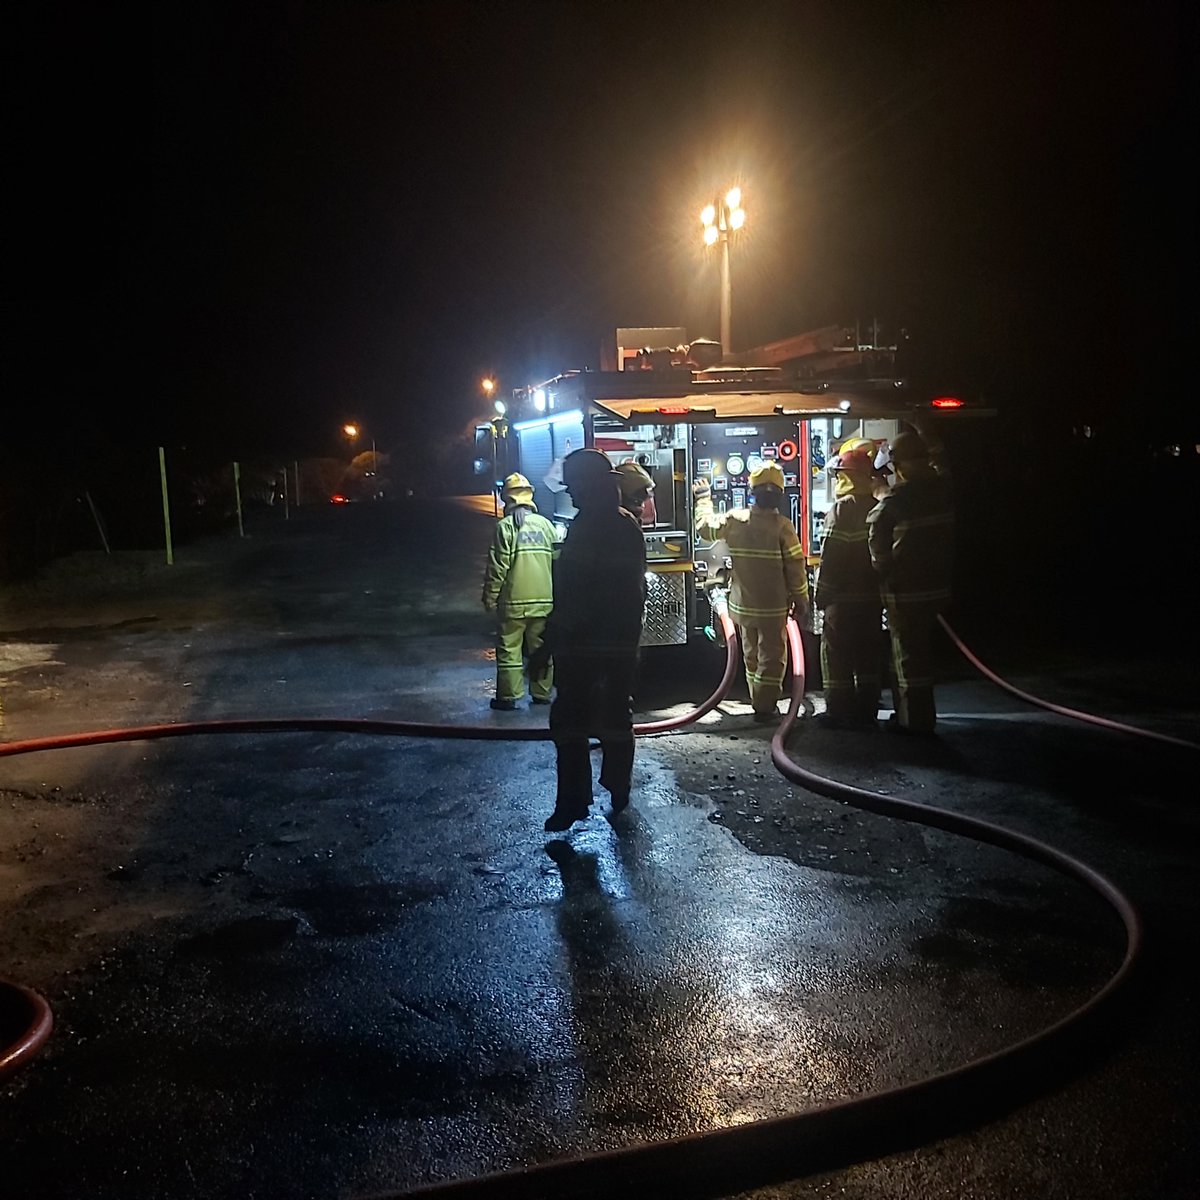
(722, 218)
(353, 430)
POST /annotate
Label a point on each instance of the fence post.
(162, 473)
(237, 497)
(99, 523)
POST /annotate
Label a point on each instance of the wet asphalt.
(333, 965)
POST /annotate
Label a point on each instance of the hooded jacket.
(518, 579)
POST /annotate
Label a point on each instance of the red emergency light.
(674, 410)
(946, 402)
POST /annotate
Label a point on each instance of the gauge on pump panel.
(753, 462)
(735, 465)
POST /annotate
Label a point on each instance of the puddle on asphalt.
(20, 656)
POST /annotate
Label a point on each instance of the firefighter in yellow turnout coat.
(518, 587)
(769, 581)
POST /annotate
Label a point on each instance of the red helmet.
(856, 456)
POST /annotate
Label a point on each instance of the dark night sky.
(242, 223)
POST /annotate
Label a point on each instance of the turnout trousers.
(850, 660)
(911, 623)
(593, 699)
(515, 638)
(764, 653)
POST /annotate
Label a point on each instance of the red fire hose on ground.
(25, 1024)
(720, 1162)
(25, 1016)
(1038, 702)
(423, 729)
(716, 1163)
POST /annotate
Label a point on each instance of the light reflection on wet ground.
(357, 960)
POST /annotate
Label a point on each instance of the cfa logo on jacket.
(531, 537)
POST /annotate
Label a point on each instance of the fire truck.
(685, 416)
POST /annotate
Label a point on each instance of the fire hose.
(715, 1163)
(723, 1161)
(26, 1020)
(1061, 710)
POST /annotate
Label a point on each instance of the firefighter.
(769, 581)
(518, 587)
(593, 635)
(910, 536)
(848, 593)
(636, 485)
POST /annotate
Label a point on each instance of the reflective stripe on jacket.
(768, 560)
(518, 579)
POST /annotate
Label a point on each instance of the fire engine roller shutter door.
(535, 454)
(568, 436)
(565, 436)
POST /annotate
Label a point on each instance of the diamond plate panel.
(666, 622)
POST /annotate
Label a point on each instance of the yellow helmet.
(768, 475)
(856, 454)
(517, 489)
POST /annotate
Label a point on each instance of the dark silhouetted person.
(593, 634)
(911, 539)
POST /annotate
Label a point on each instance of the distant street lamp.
(721, 219)
(353, 430)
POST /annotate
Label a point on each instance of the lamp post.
(353, 430)
(721, 219)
